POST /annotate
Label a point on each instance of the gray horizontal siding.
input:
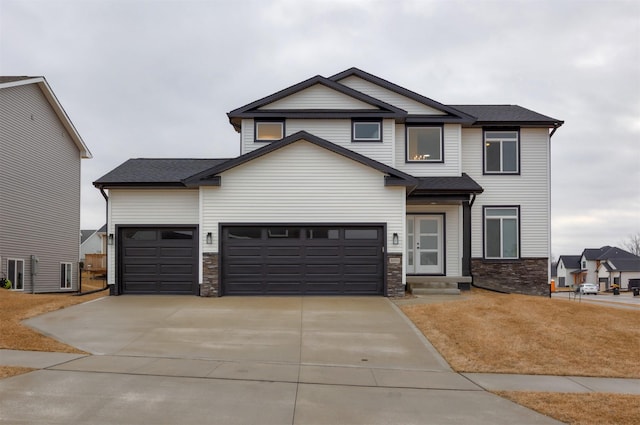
(40, 188)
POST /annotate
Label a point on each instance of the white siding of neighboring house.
(149, 206)
(566, 273)
(336, 131)
(39, 188)
(452, 152)
(92, 245)
(624, 276)
(318, 97)
(453, 233)
(591, 268)
(303, 183)
(388, 96)
(530, 190)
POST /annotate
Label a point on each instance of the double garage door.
(256, 260)
(302, 260)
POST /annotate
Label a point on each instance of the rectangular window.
(424, 144)
(501, 230)
(15, 273)
(361, 233)
(65, 275)
(501, 152)
(366, 131)
(268, 131)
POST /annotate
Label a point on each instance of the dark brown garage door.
(302, 260)
(158, 260)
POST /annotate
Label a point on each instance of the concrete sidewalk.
(316, 374)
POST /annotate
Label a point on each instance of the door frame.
(443, 245)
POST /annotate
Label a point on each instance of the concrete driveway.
(250, 360)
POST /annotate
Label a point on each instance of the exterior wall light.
(110, 239)
(395, 239)
(209, 238)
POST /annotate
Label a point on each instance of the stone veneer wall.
(525, 276)
(210, 286)
(395, 288)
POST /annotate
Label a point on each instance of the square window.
(501, 233)
(268, 131)
(424, 144)
(366, 131)
(501, 152)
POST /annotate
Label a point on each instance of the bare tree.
(632, 244)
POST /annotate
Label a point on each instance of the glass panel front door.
(424, 244)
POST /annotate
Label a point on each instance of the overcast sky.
(155, 78)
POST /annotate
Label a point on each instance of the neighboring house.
(624, 272)
(39, 188)
(605, 266)
(345, 185)
(93, 242)
(567, 266)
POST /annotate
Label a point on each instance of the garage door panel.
(180, 269)
(140, 251)
(176, 252)
(140, 268)
(318, 259)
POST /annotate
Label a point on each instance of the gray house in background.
(93, 242)
(39, 188)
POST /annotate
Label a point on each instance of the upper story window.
(268, 131)
(366, 131)
(424, 144)
(501, 232)
(501, 152)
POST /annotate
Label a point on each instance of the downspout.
(106, 254)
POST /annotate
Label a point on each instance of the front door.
(425, 244)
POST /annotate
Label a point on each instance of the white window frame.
(502, 218)
(259, 123)
(354, 124)
(502, 139)
(66, 275)
(13, 279)
(423, 158)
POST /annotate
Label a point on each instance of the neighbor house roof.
(84, 235)
(155, 172)
(570, 261)
(592, 254)
(14, 81)
(624, 264)
(612, 252)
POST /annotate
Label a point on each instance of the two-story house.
(39, 188)
(345, 185)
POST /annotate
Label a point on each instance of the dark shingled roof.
(570, 261)
(505, 114)
(462, 184)
(626, 264)
(592, 254)
(148, 171)
(611, 252)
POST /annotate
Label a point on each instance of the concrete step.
(435, 291)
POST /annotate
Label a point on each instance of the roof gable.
(387, 85)
(211, 176)
(319, 96)
(255, 109)
(570, 261)
(7, 82)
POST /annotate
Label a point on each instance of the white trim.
(13, 288)
(70, 271)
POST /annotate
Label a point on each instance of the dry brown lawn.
(581, 409)
(500, 333)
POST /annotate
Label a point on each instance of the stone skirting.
(525, 276)
(395, 288)
(210, 285)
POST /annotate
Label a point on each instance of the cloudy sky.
(155, 78)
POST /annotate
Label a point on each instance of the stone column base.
(210, 285)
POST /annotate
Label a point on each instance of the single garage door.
(302, 260)
(158, 260)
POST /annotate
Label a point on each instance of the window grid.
(501, 234)
(65, 276)
(501, 152)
